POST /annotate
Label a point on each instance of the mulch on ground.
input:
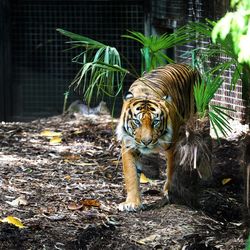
(65, 188)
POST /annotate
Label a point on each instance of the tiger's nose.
(146, 141)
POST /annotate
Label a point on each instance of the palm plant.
(223, 47)
(154, 47)
(101, 71)
(204, 91)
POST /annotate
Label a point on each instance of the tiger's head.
(146, 123)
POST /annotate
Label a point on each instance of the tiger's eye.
(156, 122)
(137, 122)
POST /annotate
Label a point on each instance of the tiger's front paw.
(130, 206)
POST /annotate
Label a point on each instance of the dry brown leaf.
(144, 179)
(72, 157)
(14, 221)
(18, 201)
(55, 140)
(49, 133)
(90, 203)
(77, 132)
(74, 206)
(225, 181)
(148, 239)
(56, 217)
(67, 177)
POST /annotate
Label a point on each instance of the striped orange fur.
(156, 105)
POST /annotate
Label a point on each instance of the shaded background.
(35, 69)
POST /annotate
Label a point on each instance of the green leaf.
(80, 38)
(220, 119)
(222, 28)
(146, 54)
(236, 75)
(216, 123)
(101, 72)
(204, 91)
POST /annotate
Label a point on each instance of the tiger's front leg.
(133, 200)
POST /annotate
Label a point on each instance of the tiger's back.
(173, 80)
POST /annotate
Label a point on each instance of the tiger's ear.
(128, 95)
(167, 98)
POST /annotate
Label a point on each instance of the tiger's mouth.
(148, 149)
(145, 150)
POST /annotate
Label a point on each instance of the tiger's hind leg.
(169, 170)
(133, 200)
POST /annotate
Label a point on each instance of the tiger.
(154, 108)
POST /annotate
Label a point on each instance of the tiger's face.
(145, 125)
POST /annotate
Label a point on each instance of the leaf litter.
(66, 193)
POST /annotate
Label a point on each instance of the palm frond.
(220, 119)
(204, 91)
(101, 72)
(76, 38)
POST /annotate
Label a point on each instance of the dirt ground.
(65, 188)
